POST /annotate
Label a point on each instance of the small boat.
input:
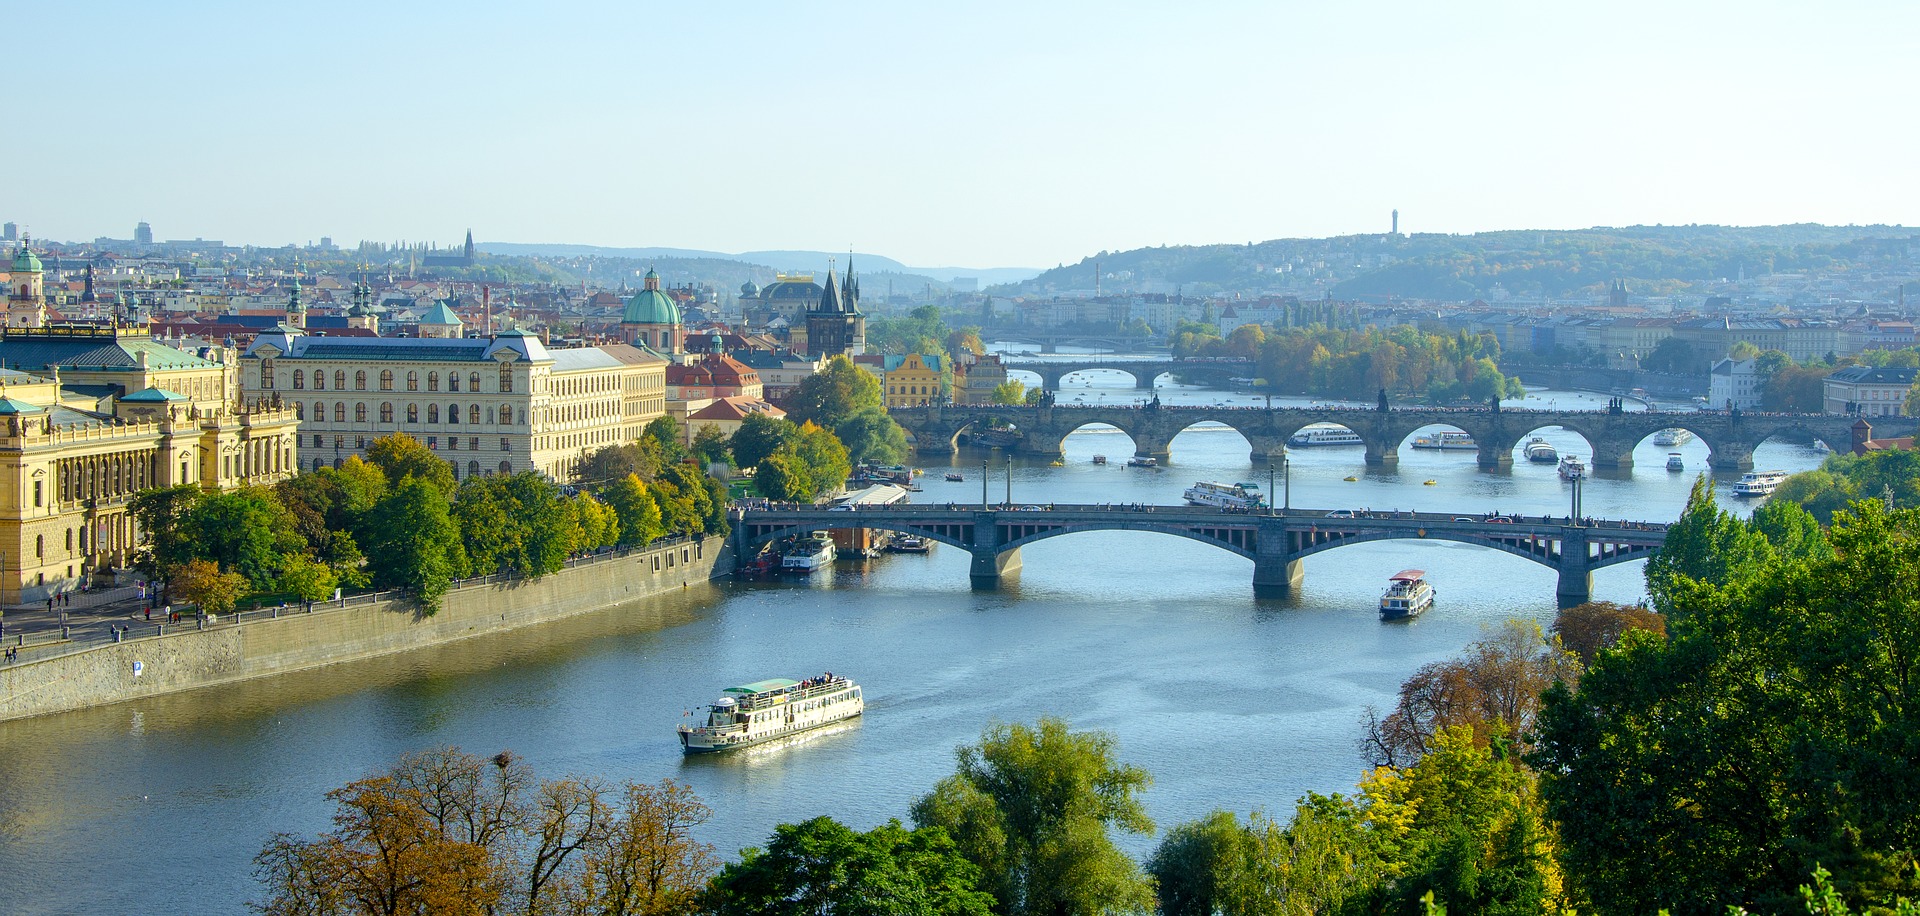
(1143, 461)
(1352, 479)
(1674, 462)
(1408, 595)
(1668, 438)
(1056, 464)
(956, 478)
(1444, 440)
(1540, 451)
(1572, 468)
(1429, 483)
(1324, 434)
(908, 543)
(1099, 459)
(753, 713)
(1758, 483)
(810, 553)
(1223, 496)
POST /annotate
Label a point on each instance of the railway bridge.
(1611, 435)
(1277, 541)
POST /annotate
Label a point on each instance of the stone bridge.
(1050, 341)
(1276, 542)
(1144, 371)
(1611, 437)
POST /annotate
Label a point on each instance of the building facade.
(910, 380)
(1733, 384)
(1868, 391)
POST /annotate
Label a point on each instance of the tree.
(306, 578)
(400, 456)
(821, 866)
(1493, 692)
(833, 394)
(592, 524)
(783, 477)
(201, 582)
(1032, 807)
(648, 862)
(1705, 544)
(162, 515)
(613, 462)
(872, 437)
(246, 531)
(634, 507)
(1010, 393)
(413, 544)
(516, 524)
(710, 446)
(1671, 355)
(1595, 626)
(761, 435)
(825, 458)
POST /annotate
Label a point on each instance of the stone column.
(991, 562)
(1379, 454)
(1276, 571)
(1495, 455)
(1576, 576)
(1730, 456)
(1614, 453)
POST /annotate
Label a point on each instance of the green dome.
(650, 306)
(24, 261)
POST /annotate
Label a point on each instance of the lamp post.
(1286, 476)
(1283, 459)
(1576, 501)
(983, 484)
(1009, 480)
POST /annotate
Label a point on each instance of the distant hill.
(783, 261)
(1529, 263)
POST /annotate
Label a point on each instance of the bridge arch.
(943, 534)
(1212, 429)
(1099, 429)
(1245, 549)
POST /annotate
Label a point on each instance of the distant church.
(463, 259)
(835, 326)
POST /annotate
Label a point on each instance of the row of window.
(473, 467)
(474, 413)
(385, 381)
(453, 442)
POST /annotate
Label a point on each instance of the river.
(1231, 701)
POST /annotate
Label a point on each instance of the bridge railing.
(840, 518)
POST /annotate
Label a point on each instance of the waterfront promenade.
(1277, 541)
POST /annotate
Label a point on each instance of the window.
(359, 442)
(473, 381)
(360, 380)
(386, 380)
(299, 379)
(506, 467)
(299, 410)
(339, 379)
(386, 412)
(413, 381)
(339, 442)
(433, 413)
(453, 381)
(319, 412)
(433, 381)
(506, 444)
(473, 414)
(360, 412)
(473, 443)
(319, 441)
(506, 416)
(473, 469)
(340, 412)
(69, 540)
(40, 544)
(453, 413)
(36, 492)
(319, 380)
(413, 413)
(433, 442)
(506, 379)
(453, 442)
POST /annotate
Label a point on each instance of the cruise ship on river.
(813, 552)
(754, 713)
(1754, 484)
(1408, 595)
(1446, 441)
(1540, 451)
(1324, 434)
(1224, 495)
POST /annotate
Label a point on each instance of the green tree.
(400, 456)
(611, 463)
(710, 446)
(592, 523)
(824, 457)
(514, 524)
(663, 435)
(306, 578)
(838, 391)
(1705, 544)
(162, 515)
(634, 507)
(783, 476)
(1010, 393)
(413, 543)
(1032, 807)
(1672, 355)
(822, 867)
(246, 531)
(761, 435)
(872, 437)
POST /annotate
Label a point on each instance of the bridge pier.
(1148, 445)
(1731, 456)
(1378, 454)
(1493, 457)
(1575, 573)
(1275, 570)
(1613, 455)
(1266, 449)
(990, 565)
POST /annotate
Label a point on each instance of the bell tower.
(27, 305)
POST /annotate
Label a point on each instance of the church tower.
(651, 320)
(835, 326)
(296, 310)
(27, 306)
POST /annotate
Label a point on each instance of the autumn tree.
(400, 456)
(1010, 393)
(1587, 629)
(1492, 691)
(202, 583)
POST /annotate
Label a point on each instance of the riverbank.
(165, 659)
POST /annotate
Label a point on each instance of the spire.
(88, 295)
(469, 248)
(830, 298)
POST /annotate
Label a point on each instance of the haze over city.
(984, 135)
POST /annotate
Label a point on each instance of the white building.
(1733, 383)
(1868, 391)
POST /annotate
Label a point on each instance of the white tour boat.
(1758, 483)
(815, 551)
(1324, 434)
(1668, 438)
(1446, 441)
(1675, 462)
(1572, 468)
(1143, 461)
(1541, 451)
(776, 708)
(1228, 496)
(1408, 595)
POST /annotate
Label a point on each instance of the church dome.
(650, 306)
(25, 261)
(749, 290)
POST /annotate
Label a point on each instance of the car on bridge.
(1341, 513)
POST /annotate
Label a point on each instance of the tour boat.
(1572, 468)
(1758, 483)
(1446, 441)
(1540, 451)
(815, 551)
(1099, 459)
(1143, 461)
(908, 543)
(1675, 463)
(1327, 434)
(1408, 595)
(956, 478)
(776, 708)
(1668, 438)
(1228, 496)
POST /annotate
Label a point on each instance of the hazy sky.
(974, 134)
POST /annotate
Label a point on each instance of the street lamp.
(1575, 517)
(1009, 480)
(983, 484)
(1286, 475)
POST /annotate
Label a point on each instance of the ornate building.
(651, 320)
(835, 326)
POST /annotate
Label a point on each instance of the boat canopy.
(776, 683)
(1408, 575)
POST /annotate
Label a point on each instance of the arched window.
(453, 381)
(433, 381)
(360, 412)
(506, 416)
(360, 380)
(386, 412)
(319, 412)
(319, 463)
(473, 469)
(453, 412)
(413, 413)
(340, 412)
(299, 379)
(506, 378)
(339, 379)
(506, 467)
(413, 381)
(473, 381)
(433, 413)
(299, 410)
(40, 544)
(386, 380)
(473, 414)
(319, 380)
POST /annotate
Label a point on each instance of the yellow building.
(911, 380)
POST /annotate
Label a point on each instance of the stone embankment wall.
(262, 644)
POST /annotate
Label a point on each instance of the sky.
(981, 134)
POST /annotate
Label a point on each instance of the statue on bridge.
(1383, 400)
(1493, 403)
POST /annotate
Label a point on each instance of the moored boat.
(1755, 484)
(956, 478)
(1408, 595)
(775, 708)
(1445, 440)
(1540, 451)
(1572, 468)
(810, 553)
(908, 543)
(1225, 496)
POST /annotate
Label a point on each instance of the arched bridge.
(1730, 437)
(1144, 371)
(1276, 543)
(1050, 342)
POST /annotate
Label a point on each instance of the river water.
(1231, 701)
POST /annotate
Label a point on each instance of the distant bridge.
(1144, 371)
(1050, 341)
(1276, 543)
(1730, 438)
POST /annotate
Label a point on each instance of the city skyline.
(998, 136)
